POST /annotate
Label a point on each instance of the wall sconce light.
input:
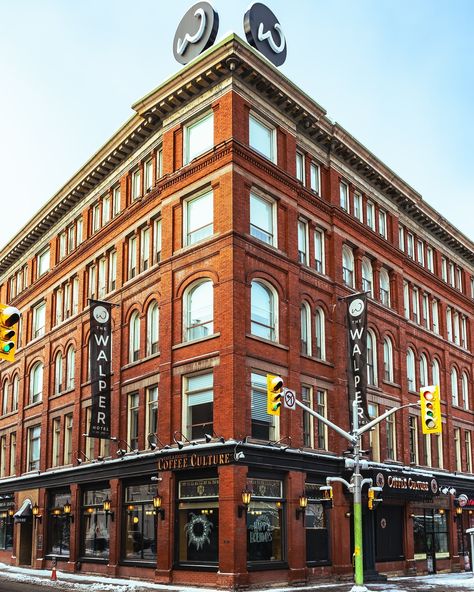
(157, 503)
(56, 511)
(246, 497)
(441, 511)
(36, 515)
(303, 501)
(209, 437)
(11, 511)
(181, 442)
(106, 508)
(67, 511)
(123, 451)
(154, 442)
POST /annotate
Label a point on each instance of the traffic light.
(430, 410)
(274, 392)
(9, 317)
(373, 499)
(327, 492)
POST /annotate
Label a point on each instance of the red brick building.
(225, 221)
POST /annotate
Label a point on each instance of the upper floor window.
(367, 277)
(444, 269)
(34, 438)
(388, 359)
(157, 240)
(42, 261)
(425, 311)
(198, 137)
(70, 367)
(262, 137)
(96, 217)
(199, 310)
(303, 254)
(411, 378)
(406, 300)
(315, 178)
(452, 279)
(319, 251)
(305, 329)
(347, 266)
(344, 196)
(15, 392)
(198, 402)
(263, 219)
(358, 212)
(465, 390)
(429, 259)
(132, 257)
(370, 215)
(423, 371)
(264, 426)
(115, 201)
(434, 316)
(148, 174)
(371, 358)
(384, 287)
(320, 328)
(198, 218)
(5, 398)
(134, 337)
(36, 382)
(159, 162)
(136, 184)
(39, 319)
(383, 223)
(300, 166)
(449, 324)
(144, 248)
(58, 374)
(410, 245)
(401, 238)
(415, 298)
(459, 278)
(152, 329)
(472, 287)
(420, 252)
(106, 209)
(454, 386)
(263, 311)
(435, 374)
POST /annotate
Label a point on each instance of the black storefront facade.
(180, 516)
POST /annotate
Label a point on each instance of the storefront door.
(26, 542)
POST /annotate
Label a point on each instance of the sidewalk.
(458, 582)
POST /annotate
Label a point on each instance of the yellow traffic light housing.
(9, 317)
(430, 410)
(274, 392)
(373, 500)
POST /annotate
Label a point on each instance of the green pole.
(358, 555)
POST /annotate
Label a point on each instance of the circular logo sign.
(196, 32)
(380, 480)
(383, 523)
(264, 32)
(356, 307)
(434, 486)
(101, 314)
(462, 500)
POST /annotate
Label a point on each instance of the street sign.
(289, 398)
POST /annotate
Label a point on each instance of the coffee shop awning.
(24, 513)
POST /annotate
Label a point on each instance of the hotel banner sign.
(357, 355)
(100, 345)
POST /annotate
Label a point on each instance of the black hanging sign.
(100, 368)
(357, 355)
(196, 32)
(264, 32)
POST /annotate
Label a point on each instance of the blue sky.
(399, 76)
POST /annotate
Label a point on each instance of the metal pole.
(357, 478)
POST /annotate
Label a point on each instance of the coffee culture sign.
(193, 461)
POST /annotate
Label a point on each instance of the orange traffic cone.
(54, 576)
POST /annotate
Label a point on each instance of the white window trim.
(272, 129)
(188, 127)
(186, 241)
(274, 207)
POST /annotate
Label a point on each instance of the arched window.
(435, 375)
(263, 311)
(305, 329)
(152, 328)
(388, 359)
(347, 266)
(199, 310)
(411, 374)
(454, 386)
(320, 326)
(5, 399)
(70, 362)
(367, 277)
(36, 382)
(384, 287)
(15, 393)
(371, 358)
(424, 381)
(465, 390)
(58, 373)
(134, 337)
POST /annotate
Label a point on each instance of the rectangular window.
(262, 223)
(439, 451)
(300, 166)
(42, 261)
(262, 138)
(390, 432)
(452, 279)
(133, 407)
(264, 426)
(303, 242)
(456, 329)
(449, 324)
(116, 201)
(58, 306)
(406, 300)
(13, 454)
(89, 442)
(413, 437)
(426, 311)
(71, 238)
(459, 278)
(159, 163)
(308, 432)
(344, 196)
(152, 413)
(315, 178)
(157, 241)
(67, 458)
(112, 270)
(96, 218)
(382, 223)
(434, 316)
(374, 435)
(102, 277)
(136, 184)
(144, 249)
(472, 287)
(427, 458)
(132, 257)
(34, 439)
(370, 214)
(199, 217)
(401, 238)
(410, 245)
(319, 255)
(3, 460)
(464, 332)
(79, 236)
(198, 137)
(62, 245)
(92, 281)
(429, 259)
(457, 449)
(56, 441)
(75, 295)
(198, 400)
(468, 451)
(358, 212)
(444, 269)
(148, 175)
(39, 319)
(415, 305)
(106, 209)
(420, 252)
(321, 408)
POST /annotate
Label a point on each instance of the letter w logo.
(101, 339)
(357, 333)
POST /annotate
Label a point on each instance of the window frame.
(260, 121)
(188, 241)
(272, 204)
(188, 129)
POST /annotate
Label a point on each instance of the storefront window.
(6, 521)
(139, 523)
(95, 524)
(198, 521)
(264, 521)
(316, 525)
(58, 524)
(430, 530)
